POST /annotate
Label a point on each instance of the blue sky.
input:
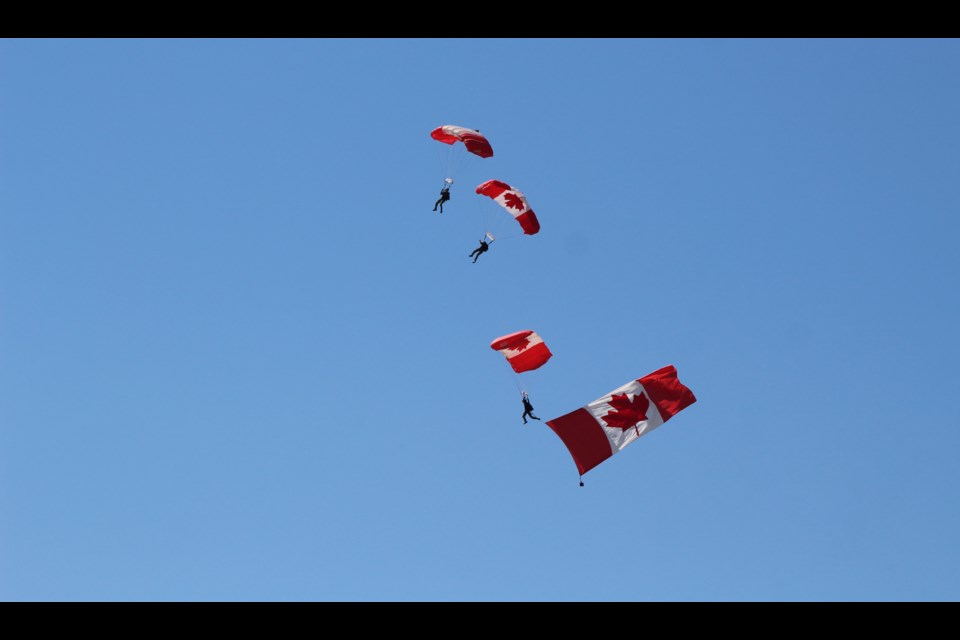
(242, 359)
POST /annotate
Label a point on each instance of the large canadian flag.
(608, 424)
(524, 350)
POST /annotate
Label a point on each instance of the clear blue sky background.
(242, 359)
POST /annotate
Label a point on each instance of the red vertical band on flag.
(493, 188)
(478, 145)
(531, 358)
(528, 221)
(442, 136)
(587, 442)
(667, 392)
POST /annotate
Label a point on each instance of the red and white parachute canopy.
(472, 140)
(514, 202)
(524, 350)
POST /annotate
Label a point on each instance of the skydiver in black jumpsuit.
(444, 196)
(481, 249)
(527, 408)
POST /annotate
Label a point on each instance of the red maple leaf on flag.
(627, 412)
(520, 346)
(513, 201)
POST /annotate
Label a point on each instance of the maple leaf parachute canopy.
(514, 202)
(524, 350)
(472, 140)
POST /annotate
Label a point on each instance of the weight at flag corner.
(605, 426)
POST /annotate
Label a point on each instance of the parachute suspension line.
(511, 234)
(489, 221)
(454, 158)
(522, 388)
(516, 378)
(448, 166)
(501, 226)
(443, 159)
(448, 159)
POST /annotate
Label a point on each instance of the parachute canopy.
(472, 140)
(524, 350)
(514, 202)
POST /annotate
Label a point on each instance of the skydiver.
(484, 245)
(527, 408)
(444, 196)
